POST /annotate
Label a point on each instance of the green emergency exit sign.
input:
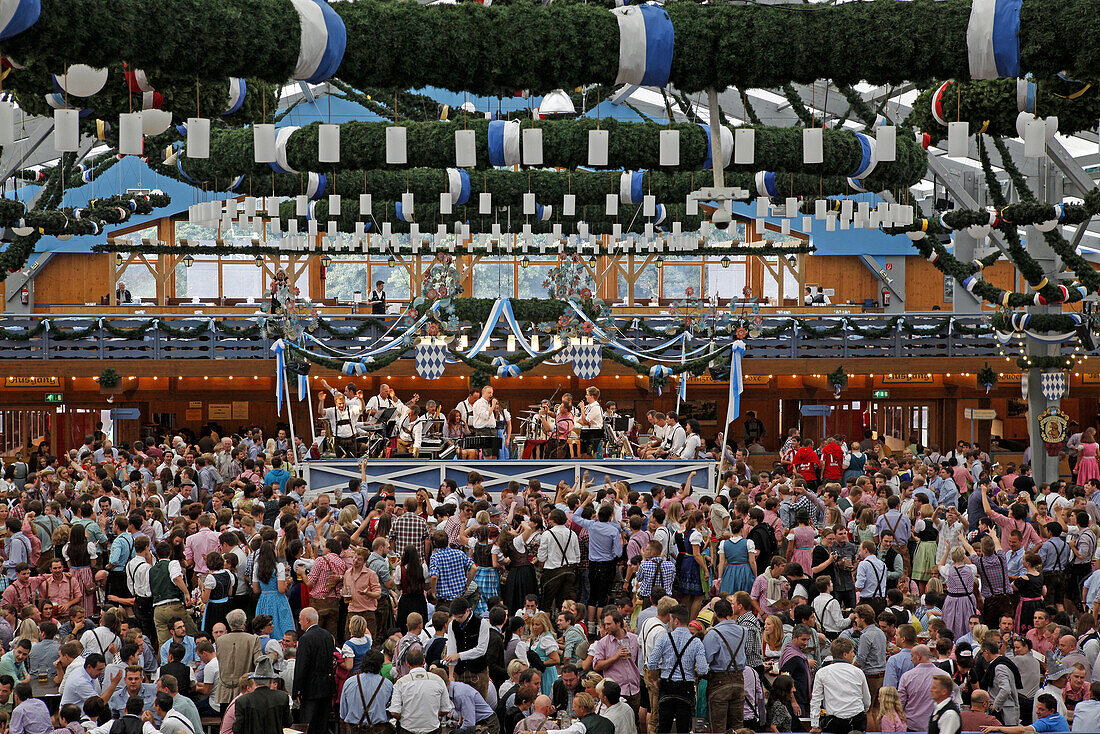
(880, 394)
(55, 397)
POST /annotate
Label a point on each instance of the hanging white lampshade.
(263, 143)
(597, 147)
(744, 146)
(813, 145)
(328, 143)
(154, 122)
(485, 203)
(129, 133)
(669, 148)
(396, 154)
(80, 80)
(557, 102)
(465, 149)
(958, 139)
(198, 137)
(886, 143)
(569, 205)
(334, 205)
(66, 130)
(7, 122)
(532, 146)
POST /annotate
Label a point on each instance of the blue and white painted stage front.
(407, 476)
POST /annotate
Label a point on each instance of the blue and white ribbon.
(278, 349)
(513, 324)
(282, 137)
(737, 382)
(316, 184)
(868, 161)
(17, 16)
(303, 387)
(659, 370)
(237, 91)
(1026, 92)
(992, 39)
(235, 183)
(401, 215)
(725, 137)
(490, 323)
(184, 176)
(630, 187)
(458, 186)
(659, 214)
(646, 41)
(504, 143)
(353, 369)
(508, 370)
(543, 213)
(765, 183)
(323, 41)
(857, 185)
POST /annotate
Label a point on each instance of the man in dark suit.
(494, 653)
(314, 684)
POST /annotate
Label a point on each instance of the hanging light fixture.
(659, 261)
(592, 260)
(259, 261)
(118, 259)
(325, 261)
(726, 261)
(535, 342)
(188, 260)
(392, 261)
(525, 262)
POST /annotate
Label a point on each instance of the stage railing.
(191, 336)
(409, 475)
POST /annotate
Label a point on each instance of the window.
(529, 283)
(137, 276)
(726, 282)
(494, 279)
(677, 278)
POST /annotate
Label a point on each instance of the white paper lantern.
(263, 143)
(744, 146)
(66, 130)
(155, 122)
(886, 143)
(407, 203)
(669, 148)
(569, 205)
(129, 133)
(364, 205)
(807, 223)
(311, 228)
(301, 205)
(813, 145)
(597, 147)
(272, 206)
(819, 209)
(649, 205)
(612, 206)
(790, 206)
(396, 146)
(1035, 138)
(958, 139)
(846, 208)
(198, 137)
(80, 80)
(7, 122)
(465, 149)
(485, 203)
(334, 205)
(582, 230)
(328, 143)
(444, 203)
(532, 146)
(528, 203)
(249, 206)
(691, 206)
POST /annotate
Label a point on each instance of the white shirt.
(551, 544)
(677, 439)
(465, 409)
(827, 609)
(419, 698)
(593, 413)
(653, 629)
(210, 674)
(412, 431)
(622, 716)
(137, 577)
(690, 449)
(950, 722)
(348, 413)
(482, 415)
(100, 640)
(477, 650)
(842, 689)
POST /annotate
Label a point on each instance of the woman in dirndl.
(521, 579)
(487, 557)
(926, 531)
(960, 604)
(1030, 587)
(217, 589)
(692, 566)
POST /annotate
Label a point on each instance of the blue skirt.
(277, 605)
(488, 581)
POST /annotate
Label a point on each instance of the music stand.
(619, 423)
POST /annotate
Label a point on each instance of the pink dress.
(804, 536)
(1087, 467)
(892, 722)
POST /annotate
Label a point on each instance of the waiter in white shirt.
(341, 420)
(377, 298)
(410, 432)
(590, 418)
(482, 421)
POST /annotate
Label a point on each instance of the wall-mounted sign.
(907, 378)
(193, 414)
(125, 414)
(219, 411)
(195, 404)
(880, 394)
(32, 382)
(55, 397)
(1090, 378)
(240, 410)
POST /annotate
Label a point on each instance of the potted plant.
(110, 382)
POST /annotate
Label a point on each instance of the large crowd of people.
(179, 585)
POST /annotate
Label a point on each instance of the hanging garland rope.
(632, 146)
(993, 103)
(371, 364)
(552, 47)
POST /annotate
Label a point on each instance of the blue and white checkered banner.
(17, 16)
(1053, 385)
(646, 40)
(630, 187)
(238, 88)
(458, 186)
(992, 39)
(323, 40)
(587, 360)
(503, 143)
(431, 360)
(280, 164)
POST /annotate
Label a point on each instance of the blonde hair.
(28, 630)
(482, 518)
(348, 518)
(776, 641)
(934, 586)
(980, 632)
(958, 555)
(591, 679)
(926, 511)
(889, 702)
(357, 626)
(542, 619)
(674, 513)
(516, 666)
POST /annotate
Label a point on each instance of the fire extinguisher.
(25, 296)
(885, 298)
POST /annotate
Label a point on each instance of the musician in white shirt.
(482, 421)
(385, 399)
(342, 420)
(411, 432)
(466, 407)
(590, 418)
(689, 451)
(657, 434)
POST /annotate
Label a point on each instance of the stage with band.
(409, 475)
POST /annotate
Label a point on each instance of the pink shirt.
(198, 546)
(623, 671)
(891, 722)
(366, 580)
(915, 690)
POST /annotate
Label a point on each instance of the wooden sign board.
(32, 382)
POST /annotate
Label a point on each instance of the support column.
(964, 302)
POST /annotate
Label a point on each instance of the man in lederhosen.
(725, 650)
(341, 420)
(682, 660)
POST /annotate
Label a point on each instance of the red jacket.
(832, 459)
(805, 463)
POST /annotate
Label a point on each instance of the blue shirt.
(122, 550)
(18, 548)
(693, 659)
(724, 637)
(1086, 716)
(605, 539)
(468, 704)
(357, 691)
(119, 698)
(80, 688)
(896, 665)
(1015, 560)
(449, 566)
(949, 493)
(1056, 554)
(31, 717)
(277, 476)
(189, 655)
(1053, 723)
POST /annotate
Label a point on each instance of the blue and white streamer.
(646, 40)
(504, 143)
(316, 184)
(725, 137)
(282, 137)
(235, 183)
(323, 41)
(992, 39)
(278, 348)
(1026, 92)
(659, 214)
(658, 371)
(765, 183)
(857, 185)
(630, 187)
(17, 16)
(401, 216)
(737, 382)
(238, 88)
(183, 175)
(490, 323)
(867, 163)
(543, 213)
(458, 186)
